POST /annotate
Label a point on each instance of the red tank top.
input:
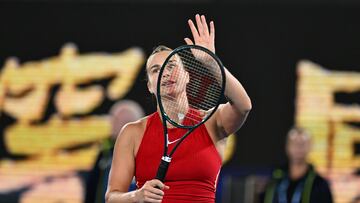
(194, 168)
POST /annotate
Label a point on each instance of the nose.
(167, 72)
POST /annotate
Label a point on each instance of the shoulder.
(136, 125)
(321, 185)
(320, 181)
(321, 190)
(131, 132)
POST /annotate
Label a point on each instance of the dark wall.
(260, 45)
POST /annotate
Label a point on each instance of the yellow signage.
(333, 138)
(25, 91)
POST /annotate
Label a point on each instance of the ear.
(149, 87)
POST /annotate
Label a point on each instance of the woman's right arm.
(122, 171)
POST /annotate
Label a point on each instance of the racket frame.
(166, 159)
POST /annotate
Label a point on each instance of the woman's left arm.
(230, 116)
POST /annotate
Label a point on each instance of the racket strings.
(205, 80)
(172, 104)
(209, 65)
(205, 105)
(197, 87)
(202, 86)
(209, 62)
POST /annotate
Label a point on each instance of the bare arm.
(122, 167)
(122, 172)
(230, 116)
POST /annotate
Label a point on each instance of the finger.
(157, 183)
(205, 26)
(199, 24)
(193, 30)
(188, 41)
(155, 191)
(212, 30)
(150, 200)
(153, 196)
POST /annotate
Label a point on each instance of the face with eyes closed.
(174, 77)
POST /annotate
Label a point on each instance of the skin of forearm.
(121, 197)
(236, 94)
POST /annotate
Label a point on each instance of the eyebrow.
(154, 66)
(158, 66)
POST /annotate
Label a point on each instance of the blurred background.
(64, 65)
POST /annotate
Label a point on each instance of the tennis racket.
(190, 88)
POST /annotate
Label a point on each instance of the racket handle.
(164, 165)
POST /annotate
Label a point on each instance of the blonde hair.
(156, 50)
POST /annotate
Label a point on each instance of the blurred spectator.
(297, 181)
(120, 114)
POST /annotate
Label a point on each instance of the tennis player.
(192, 175)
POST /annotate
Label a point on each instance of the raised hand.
(201, 34)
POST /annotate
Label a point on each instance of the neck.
(297, 169)
(175, 106)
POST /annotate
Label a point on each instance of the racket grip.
(163, 167)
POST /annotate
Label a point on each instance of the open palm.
(201, 33)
